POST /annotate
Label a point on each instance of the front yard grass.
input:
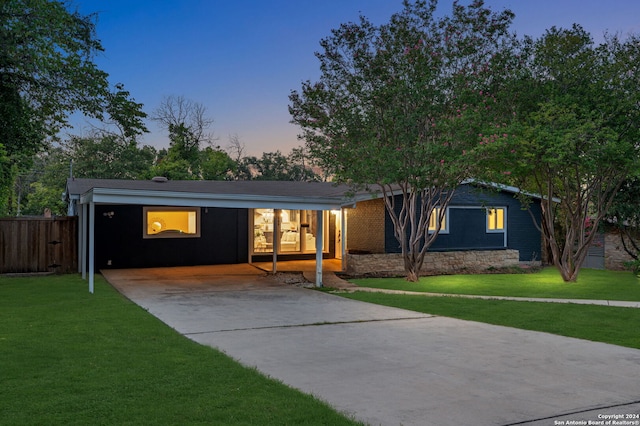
(618, 326)
(72, 358)
(591, 284)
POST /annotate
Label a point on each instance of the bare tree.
(179, 111)
(235, 148)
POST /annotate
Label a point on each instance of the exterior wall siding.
(120, 243)
(467, 225)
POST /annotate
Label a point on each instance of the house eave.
(190, 199)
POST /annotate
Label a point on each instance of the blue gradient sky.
(241, 58)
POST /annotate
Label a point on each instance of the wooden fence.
(38, 244)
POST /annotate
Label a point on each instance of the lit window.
(170, 222)
(495, 219)
(433, 220)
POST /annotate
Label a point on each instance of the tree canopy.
(47, 56)
(47, 72)
(403, 106)
(576, 125)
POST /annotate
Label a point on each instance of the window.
(444, 223)
(297, 229)
(171, 222)
(495, 219)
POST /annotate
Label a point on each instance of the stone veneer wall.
(435, 262)
(365, 226)
(614, 254)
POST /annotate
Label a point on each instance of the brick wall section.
(365, 226)
(614, 254)
(435, 262)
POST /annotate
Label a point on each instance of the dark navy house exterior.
(484, 218)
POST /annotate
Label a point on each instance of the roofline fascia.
(508, 188)
(190, 199)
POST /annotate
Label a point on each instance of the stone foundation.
(434, 262)
(614, 254)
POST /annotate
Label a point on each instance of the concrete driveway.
(388, 366)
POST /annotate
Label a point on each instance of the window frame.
(488, 228)
(445, 228)
(301, 218)
(147, 209)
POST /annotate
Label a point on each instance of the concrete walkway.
(333, 281)
(388, 366)
(617, 303)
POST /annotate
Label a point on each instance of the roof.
(231, 194)
(207, 193)
(507, 188)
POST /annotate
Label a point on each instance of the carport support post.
(319, 239)
(276, 239)
(92, 242)
(83, 241)
(343, 239)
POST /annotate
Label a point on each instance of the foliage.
(277, 166)
(6, 178)
(184, 115)
(47, 58)
(108, 156)
(20, 140)
(404, 106)
(624, 214)
(575, 122)
(188, 125)
(99, 156)
(46, 183)
(215, 164)
(46, 73)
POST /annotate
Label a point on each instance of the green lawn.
(618, 326)
(68, 357)
(591, 284)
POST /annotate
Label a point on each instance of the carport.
(85, 194)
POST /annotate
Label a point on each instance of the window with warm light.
(171, 222)
(297, 230)
(495, 219)
(433, 221)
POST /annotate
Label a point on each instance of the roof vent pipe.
(159, 179)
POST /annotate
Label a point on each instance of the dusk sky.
(241, 58)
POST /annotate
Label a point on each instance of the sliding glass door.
(297, 230)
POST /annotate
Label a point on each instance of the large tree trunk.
(581, 216)
(411, 222)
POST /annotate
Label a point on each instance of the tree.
(215, 164)
(275, 166)
(108, 156)
(187, 123)
(576, 117)
(301, 165)
(403, 107)
(236, 149)
(20, 140)
(179, 111)
(47, 183)
(46, 73)
(624, 214)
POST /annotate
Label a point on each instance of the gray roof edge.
(508, 188)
